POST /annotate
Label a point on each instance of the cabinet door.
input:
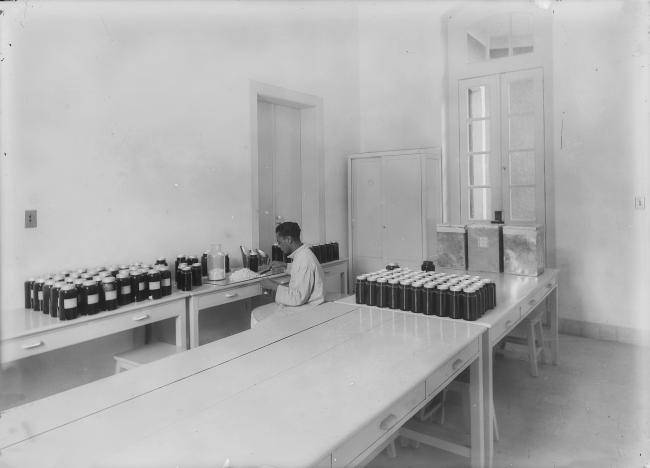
(402, 209)
(366, 217)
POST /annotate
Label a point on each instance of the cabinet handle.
(231, 295)
(387, 422)
(508, 323)
(32, 345)
(140, 317)
(456, 364)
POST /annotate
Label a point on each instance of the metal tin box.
(485, 247)
(523, 250)
(452, 246)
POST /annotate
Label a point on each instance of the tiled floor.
(592, 410)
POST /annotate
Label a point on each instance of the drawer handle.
(387, 422)
(140, 317)
(456, 364)
(33, 345)
(231, 295)
(508, 323)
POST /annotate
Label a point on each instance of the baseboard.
(603, 331)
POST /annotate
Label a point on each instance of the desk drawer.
(505, 325)
(454, 365)
(537, 296)
(382, 426)
(230, 295)
(88, 328)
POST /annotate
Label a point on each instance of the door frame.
(311, 151)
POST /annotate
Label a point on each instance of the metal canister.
(185, 282)
(68, 302)
(154, 285)
(454, 302)
(360, 289)
(196, 274)
(405, 294)
(110, 293)
(443, 300)
(371, 288)
(417, 297)
(165, 280)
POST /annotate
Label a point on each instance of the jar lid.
(108, 279)
(405, 282)
(134, 272)
(186, 268)
(196, 264)
(469, 290)
(122, 275)
(443, 287)
(40, 280)
(361, 277)
(49, 282)
(430, 285)
(153, 271)
(124, 267)
(79, 281)
(68, 287)
(372, 279)
(89, 283)
(455, 288)
(382, 280)
(162, 267)
(417, 284)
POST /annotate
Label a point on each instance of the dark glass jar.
(110, 293)
(89, 298)
(196, 274)
(113, 270)
(480, 294)
(417, 297)
(405, 294)
(178, 274)
(329, 257)
(165, 280)
(276, 253)
(100, 303)
(68, 302)
(153, 280)
(204, 264)
(471, 311)
(491, 288)
(429, 298)
(124, 291)
(161, 261)
(253, 260)
(140, 286)
(454, 302)
(79, 285)
(382, 292)
(185, 282)
(443, 300)
(392, 266)
(336, 251)
(29, 294)
(427, 265)
(360, 289)
(38, 294)
(47, 291)
(394, 301)
(371, 291)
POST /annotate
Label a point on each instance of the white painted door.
(280, 179)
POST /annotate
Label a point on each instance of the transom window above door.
(499, 36)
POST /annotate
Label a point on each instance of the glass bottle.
(216, 263)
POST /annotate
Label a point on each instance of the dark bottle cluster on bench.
(327, 252)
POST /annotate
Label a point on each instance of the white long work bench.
(330, 387)
(517, 297)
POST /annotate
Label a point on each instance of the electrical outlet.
(639, 203)
(30, 218)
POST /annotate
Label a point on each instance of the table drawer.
(230, 295)
(537, 296)
(382, 426)
(505, 325)
(453, 366)
(88, 328)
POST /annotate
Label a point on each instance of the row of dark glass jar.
(68, 295)
(327, 252)
(445, 295)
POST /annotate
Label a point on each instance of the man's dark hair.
(288, 229)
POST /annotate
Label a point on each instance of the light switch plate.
(30, 218)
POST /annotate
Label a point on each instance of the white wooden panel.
(432, 200)
(366, 208)
(266, 144)
(287, 171)
(402, 209)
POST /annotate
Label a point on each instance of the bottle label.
(70, 303)
(154, 285)
(93, 299)
(141, 286)
(125, 289)
(40, 295)
(166, 282)
(111, 295)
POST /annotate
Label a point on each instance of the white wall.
(601, 161)
(127, 126)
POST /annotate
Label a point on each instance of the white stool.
(143, 355)
(534, 339)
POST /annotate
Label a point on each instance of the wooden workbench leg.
(553, 313)
(181, 330)
(477, 412)
(193, 325)
(488, 398)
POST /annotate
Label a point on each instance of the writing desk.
(329, 393)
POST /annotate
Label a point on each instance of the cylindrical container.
(382, 292)
(454, 302)
(68, 302)
(471, 304)
(216, 263)
(429, 298)
(79, 285)
(154, 283)
(179, 259)
(161, 261)
(100, 303)
(124, 290)
(492, 293)
(443, 300)
(47, 291)
(417, 297)
(371, 288)
(38, 294)
(196, 274)
(139, 285)
(54, 298)
(394, 301)
(253, 260)
(165, 280)
(336, 251)
(360, 289)
(227, 262)
(88, 298)
(110, 293)
(185, 283)
(329, 249)
(29, 287)
(178, 274)
(405, 294)
(204, 264)
(427, 265)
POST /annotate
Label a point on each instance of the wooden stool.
(534, 339)
(143, 355)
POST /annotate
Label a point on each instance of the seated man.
(305, 288)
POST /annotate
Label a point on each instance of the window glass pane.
(520, 96)
(522, 131)
(498, 53)
(479, 136)
(522, 203)
(522, 168)
(477, 102)
(479, 169)
(479, 203)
